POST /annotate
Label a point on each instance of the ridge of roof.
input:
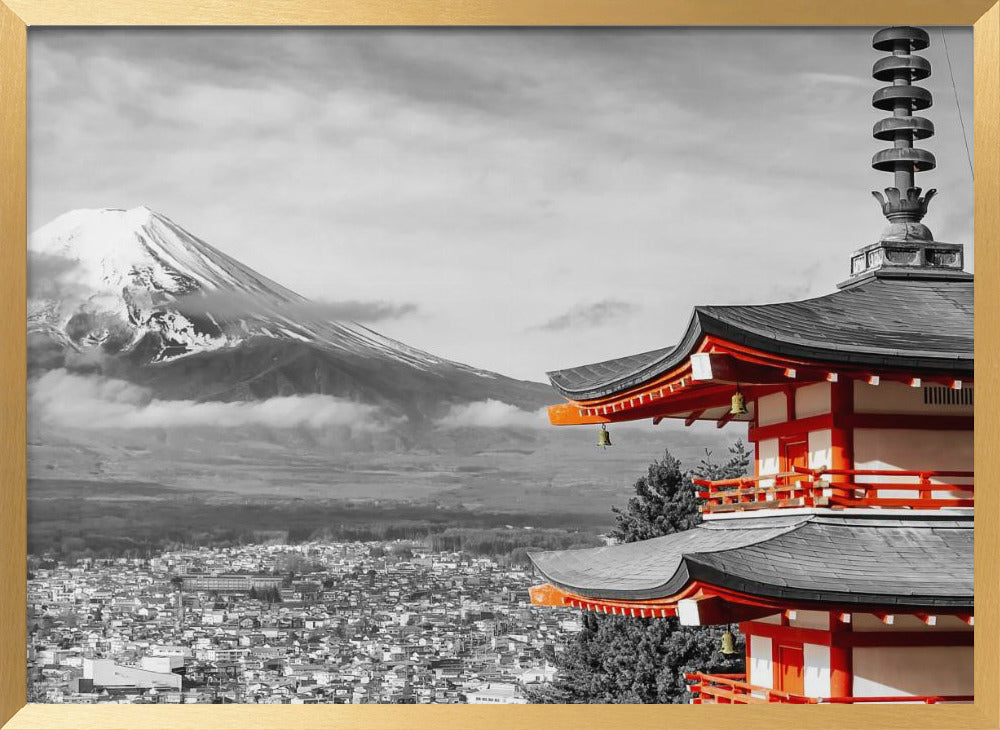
(573, 569)
(912, 563)
(921, 324)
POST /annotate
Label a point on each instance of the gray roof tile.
(914, 323)
(827, 558)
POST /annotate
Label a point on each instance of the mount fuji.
(136, 295)
(162, 369)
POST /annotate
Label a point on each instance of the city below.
(375, 622)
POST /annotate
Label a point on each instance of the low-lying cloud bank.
(71, 400)
(230, 305)
(493, 414)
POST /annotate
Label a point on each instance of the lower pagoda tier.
(750, 566)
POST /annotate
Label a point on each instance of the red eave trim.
(908, 421)
(676, 393)
(791, 428)
(547, 594)
(912, 421)
(857, 638)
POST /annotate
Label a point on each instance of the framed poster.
(187, 470)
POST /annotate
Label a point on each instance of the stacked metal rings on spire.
(902, 98)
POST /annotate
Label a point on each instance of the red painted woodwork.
(911, 638)
(789, 669)
(734, 689)
(841, 659)
(745, 369)
(661, 397)
(792, 635)
(789, 403)
(750, 354)
(713, 611)
(794, 453)
(923, 474)
(861, 420)
(842, 434)
(821, 489)
(727, 689)
(695, 415)
(726, 418)
(912, 421)
(666, 606)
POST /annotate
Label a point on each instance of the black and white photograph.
(500, 365)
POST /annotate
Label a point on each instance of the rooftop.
(909, 563)
(920, 324)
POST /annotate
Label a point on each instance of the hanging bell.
(728, 643)
(739, 405)
(603, 437)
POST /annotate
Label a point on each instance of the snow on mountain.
(129, 273)
(140, 289)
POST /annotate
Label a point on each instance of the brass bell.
(603, 437)
(728, 643)
(739, 405)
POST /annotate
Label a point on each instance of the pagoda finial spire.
(903, 205)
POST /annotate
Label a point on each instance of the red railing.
(837, 488)
(733, 689)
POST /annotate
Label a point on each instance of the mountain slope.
(147, 301)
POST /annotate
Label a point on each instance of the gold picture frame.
(16, 16)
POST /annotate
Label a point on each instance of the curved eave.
(703, 388)
(887, 358)
(784, 331)
(651, 365)
(904, 563)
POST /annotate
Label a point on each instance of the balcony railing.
(733, 689)
(839, 488)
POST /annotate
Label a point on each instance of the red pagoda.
(847, 558)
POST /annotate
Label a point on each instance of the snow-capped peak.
(112, 247)
(114, 277)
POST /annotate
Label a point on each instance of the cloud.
(589, 315)
(235, 305)
(493, 414)
(360, 311)
(88, 401)
(818, 78)
(46, 275)
(412, 160)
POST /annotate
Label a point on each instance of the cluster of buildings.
(310, 623)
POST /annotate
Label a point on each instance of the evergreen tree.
(615, 659)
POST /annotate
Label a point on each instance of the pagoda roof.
(905, 562)
(913, 324)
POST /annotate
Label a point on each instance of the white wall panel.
(761, 669)
(820, 449)
(912, 670)
(769, 462)
(812, 400)
(912, 449)
(772, 408)
(816, 670)
(900, 398)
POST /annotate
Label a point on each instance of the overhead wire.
(965, 136)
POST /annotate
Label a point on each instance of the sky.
(516, 199)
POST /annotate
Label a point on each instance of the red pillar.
(841, 658)
(745, 630)
(842, 433)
